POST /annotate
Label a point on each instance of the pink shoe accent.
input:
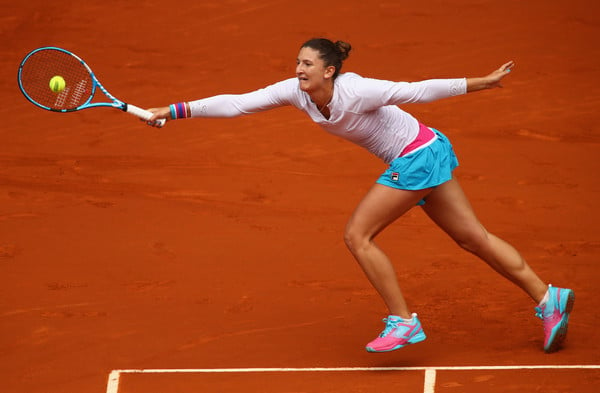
(550, 321)
(397, 334)
(390, 341)
(555, 316)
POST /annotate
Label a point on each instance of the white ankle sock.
(544, 299)
(399, 318)
(411, 320)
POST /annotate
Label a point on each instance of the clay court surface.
(216, 245)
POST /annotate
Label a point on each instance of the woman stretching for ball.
(421, 161)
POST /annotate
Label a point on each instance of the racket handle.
(143, 114)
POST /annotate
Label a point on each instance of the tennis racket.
(58, 80)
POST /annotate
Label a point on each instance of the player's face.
(311, 70)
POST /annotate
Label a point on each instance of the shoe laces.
(389, 326)
(539, 312)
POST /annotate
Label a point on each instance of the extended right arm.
(228, 105)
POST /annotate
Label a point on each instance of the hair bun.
(344, 48)
(332, 53)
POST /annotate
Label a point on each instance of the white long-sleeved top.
(362, 110)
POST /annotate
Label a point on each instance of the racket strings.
(42, 66)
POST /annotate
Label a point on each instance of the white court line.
(429, 384)
(430, 372)
(113, 382)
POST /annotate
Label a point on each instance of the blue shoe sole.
(561, 330)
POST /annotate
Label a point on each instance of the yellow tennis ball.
(57, 84)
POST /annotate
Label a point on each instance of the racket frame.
(115, 102)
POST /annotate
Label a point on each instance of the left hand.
(490, 81)
(495, 77)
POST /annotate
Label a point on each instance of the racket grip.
(143, 114)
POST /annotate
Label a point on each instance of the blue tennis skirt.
(424, 168)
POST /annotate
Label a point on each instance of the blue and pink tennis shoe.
(554, 312)
(398, 333)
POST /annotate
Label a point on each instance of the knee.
(474, 241)
(354, 238)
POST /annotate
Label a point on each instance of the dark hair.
(332, 53)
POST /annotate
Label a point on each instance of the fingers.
(159, 118)
(502, 72)
(507, 67)
(159, 123)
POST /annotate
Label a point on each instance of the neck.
(322, 96)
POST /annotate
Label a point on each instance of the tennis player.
(421, 161)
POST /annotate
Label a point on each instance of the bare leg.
(449, 208)
(380, 207)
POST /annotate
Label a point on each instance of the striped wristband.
(178, 111)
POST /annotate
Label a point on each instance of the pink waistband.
(425, 135)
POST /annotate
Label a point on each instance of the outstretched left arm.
(490, 81)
